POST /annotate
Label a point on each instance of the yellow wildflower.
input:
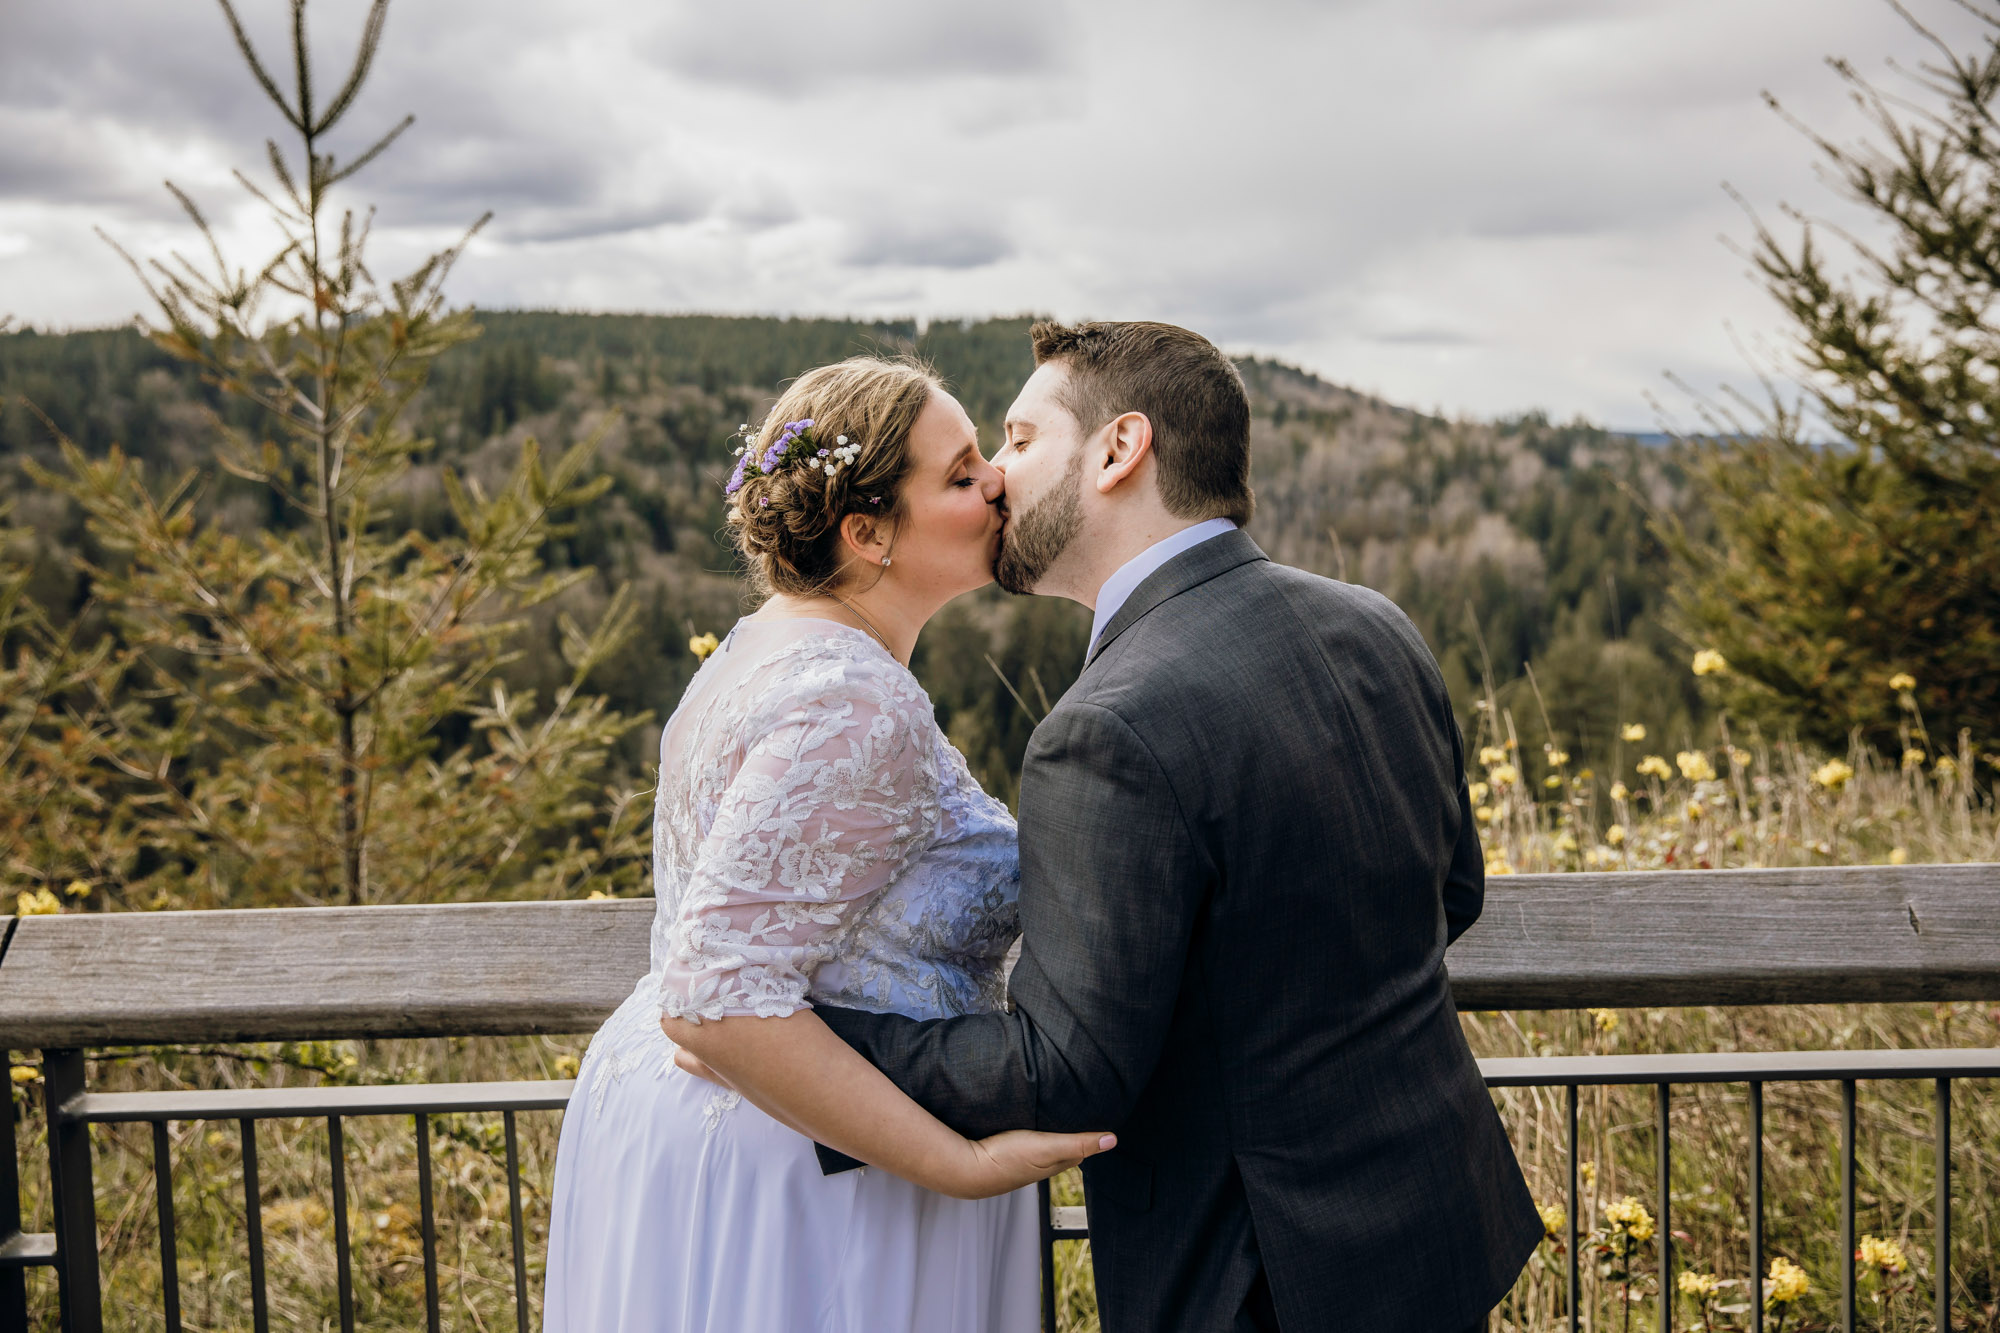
(1708, 662)
(1604, 1020)
(1498, 864)
(1479, 792)
(37, 902)
(1902, 682)
(1787, 1283)
(1634, 731)
(1556, 756)
(1695, 810)
(1491, 755)
(1701, 1286)
(1552, 781)
(1619, 791)
(1588, 1171)
(1914, 759)
(1946, 769)
(1833, 774)
(1485, 814)
(1595, 857)
(598, 896)
(24, 1075)
(77, 888)
(1694, 766)
(1555, 1220)
(1885, 1255)
(701, 645)
(1506, 775)
(1741, 758)
(565, 1066)
(1654, 766)
(1899, 856)
(1630, 1216)
(1565, 841)
(294, 1215)
(1615, 835)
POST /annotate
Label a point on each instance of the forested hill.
(1508, 543)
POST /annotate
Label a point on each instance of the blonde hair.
(786, 526)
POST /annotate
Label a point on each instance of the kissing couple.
(1244, 843)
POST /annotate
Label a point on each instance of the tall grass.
(1724, 805)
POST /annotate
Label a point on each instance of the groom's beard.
(1035, 538)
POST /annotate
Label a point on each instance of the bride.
(815, 838)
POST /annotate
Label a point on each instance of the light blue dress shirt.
(1133, 572)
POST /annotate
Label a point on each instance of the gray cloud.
(934, 245)
(1489, 205)
(786, 49)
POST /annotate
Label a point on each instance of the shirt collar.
(1134, 571)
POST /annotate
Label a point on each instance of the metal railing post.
(75, 1193)
(13, 1281)
(1045, 1232)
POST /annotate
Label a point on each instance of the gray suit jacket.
(1245, 845)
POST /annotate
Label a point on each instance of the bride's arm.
(798, 1072)
(831, 802)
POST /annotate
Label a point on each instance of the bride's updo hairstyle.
(786, 524)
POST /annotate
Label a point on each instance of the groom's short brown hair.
(1183, 384)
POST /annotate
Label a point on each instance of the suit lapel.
(1191, 568)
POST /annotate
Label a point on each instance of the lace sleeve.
(835, 795)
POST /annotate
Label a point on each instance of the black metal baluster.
(253, 1225)
(1756, 1208)
(428, 1221)
(1045, 1202)
(1847, 1204)
(514, 1219)
(342, 1260)
(163, 1193)
(1941, 1266)
(1575, 1207)
(1666, 1235)
(14, 1278)
(75, 1195)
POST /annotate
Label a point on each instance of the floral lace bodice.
(815, 838)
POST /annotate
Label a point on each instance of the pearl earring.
(885, 562)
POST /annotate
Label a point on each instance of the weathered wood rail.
(67, 983)
(1658, 939)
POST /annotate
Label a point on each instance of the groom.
(1245, 844)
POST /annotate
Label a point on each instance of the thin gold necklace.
(867, 624)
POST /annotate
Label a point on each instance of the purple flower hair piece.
(794, 444)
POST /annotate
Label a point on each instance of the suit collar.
(1191, 568)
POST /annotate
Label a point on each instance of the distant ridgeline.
(1508, 543)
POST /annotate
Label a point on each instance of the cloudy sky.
(1484, 206)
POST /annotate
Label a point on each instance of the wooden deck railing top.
(1654, 939)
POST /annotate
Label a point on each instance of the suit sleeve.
(1112, 881)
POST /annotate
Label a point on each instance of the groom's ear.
(1123, 444)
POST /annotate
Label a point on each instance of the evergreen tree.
(323, 719)
(1836, 568)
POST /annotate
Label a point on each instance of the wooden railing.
(68, 983)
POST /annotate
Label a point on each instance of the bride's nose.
(992, 482)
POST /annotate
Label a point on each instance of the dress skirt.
(678, 1208)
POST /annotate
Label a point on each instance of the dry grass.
(1760, 805)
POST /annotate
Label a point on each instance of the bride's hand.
(1020, 1157)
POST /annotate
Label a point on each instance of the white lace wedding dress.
(815, 838)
